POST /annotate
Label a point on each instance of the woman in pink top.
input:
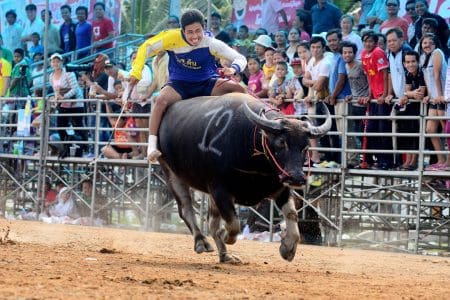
(256, 85)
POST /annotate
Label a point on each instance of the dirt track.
(63, 261)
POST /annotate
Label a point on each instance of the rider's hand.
(133, 81)
(228, 71)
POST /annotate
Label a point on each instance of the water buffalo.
(239, 150)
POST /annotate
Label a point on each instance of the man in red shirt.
(392, 8)
(102, 28)
(376, 65)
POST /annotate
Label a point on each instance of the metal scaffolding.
(400, 210)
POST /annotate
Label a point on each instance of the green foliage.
(345, 5)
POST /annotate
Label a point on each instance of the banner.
(24, 120)
(112, 10)
(248, 12)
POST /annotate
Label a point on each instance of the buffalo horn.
(319, 131)
(262, 121)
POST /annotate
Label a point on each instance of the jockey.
(192, 68)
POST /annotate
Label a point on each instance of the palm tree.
(151, 15)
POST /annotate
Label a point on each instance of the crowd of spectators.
(397, 62)
(324, 56)
(22, 52)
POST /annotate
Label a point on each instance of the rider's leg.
(166, 97)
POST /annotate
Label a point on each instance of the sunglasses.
(391, 5)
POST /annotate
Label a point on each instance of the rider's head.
(192, 16)
(192, 24)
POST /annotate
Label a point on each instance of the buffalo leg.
(218, 235)
(222, 206)
(186, 210)
(289, 243)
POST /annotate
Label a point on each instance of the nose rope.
(272, 157)
(266, 150)
(308, 156)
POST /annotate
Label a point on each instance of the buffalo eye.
(280, 143)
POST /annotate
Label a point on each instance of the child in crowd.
(121, 148)
(269, 66)
(296, 89)
(119, 89)
(279, 56)
(256, 85)
(65, 206)
(37, 47)
(279, 89)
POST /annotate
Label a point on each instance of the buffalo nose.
(298, 179)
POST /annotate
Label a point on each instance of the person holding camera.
(65, 86)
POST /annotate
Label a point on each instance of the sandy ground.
(49, 261)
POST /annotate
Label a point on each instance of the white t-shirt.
(65, 209)
(322, 68)
(121, 76)
(37, 26)
(355, 39)
(428, 73)
(269, 15)
(397, 73)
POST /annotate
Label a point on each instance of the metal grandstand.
(399, 210)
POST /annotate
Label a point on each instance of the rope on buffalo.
(266, 148)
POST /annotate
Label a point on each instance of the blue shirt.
(83, 34)
(35, 49)
(325, 18)
(338, 67)
(65, 28)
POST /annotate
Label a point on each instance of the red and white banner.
(248, 12)
(112, 11)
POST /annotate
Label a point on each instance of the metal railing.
(395, 199)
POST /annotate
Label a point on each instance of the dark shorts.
(121, 150)
(193, 89)
(439, 106)
(137, 108)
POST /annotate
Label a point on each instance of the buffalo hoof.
(227, 258)
(288, 248)
(226, 238)
(202, 245)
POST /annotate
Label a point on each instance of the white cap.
(264, 40)
(56, 55)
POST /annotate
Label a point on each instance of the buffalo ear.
(261, 120)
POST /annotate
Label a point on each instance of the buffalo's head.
(286, 140)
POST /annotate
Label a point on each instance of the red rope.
(309, 164)
(364, 164)
(266, 148)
